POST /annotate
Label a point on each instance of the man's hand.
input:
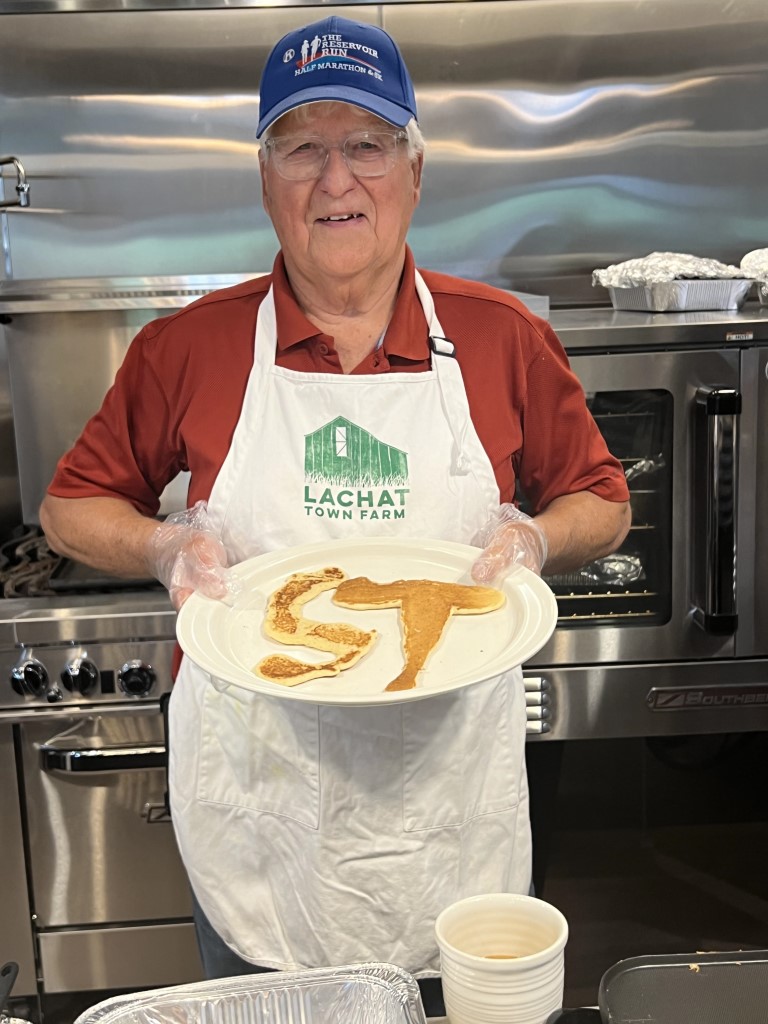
(509, 539)
(187, 556)
(572, 530)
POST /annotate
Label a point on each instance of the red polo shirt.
(177, 396)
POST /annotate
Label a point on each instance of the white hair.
(304, 113)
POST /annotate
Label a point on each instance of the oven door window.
(632, 586)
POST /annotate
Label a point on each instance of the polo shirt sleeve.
(126, 449)
(563, 451)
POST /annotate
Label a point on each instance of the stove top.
(70, 637)
(28, 568)
(26, 563)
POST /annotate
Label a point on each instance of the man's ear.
(263, 174)
(417, 167)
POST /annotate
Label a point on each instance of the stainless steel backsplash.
(563, 135)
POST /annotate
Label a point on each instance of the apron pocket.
(260, 754)
(462, 754)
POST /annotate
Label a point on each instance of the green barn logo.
(350, 474)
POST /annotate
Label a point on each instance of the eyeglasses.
(303, 157)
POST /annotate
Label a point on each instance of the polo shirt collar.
(407, 332)
(293, 326)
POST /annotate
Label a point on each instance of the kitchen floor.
(647, 846)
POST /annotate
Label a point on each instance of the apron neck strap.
(449, 378)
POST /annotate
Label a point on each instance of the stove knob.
(29, 677)
(54, 694)
(136, 678)
(81, 675)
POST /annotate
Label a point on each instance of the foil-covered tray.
(369, 993)
(681, 295)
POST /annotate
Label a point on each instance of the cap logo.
(288, 55)
(334, 52)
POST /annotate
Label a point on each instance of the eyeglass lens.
(367, 154)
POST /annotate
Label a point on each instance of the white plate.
(227, 640)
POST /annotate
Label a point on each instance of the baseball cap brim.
(378, 105)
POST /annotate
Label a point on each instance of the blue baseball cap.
(337, 59)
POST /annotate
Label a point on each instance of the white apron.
(319, 835)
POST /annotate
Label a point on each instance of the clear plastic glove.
(185, 554)
(509, 538)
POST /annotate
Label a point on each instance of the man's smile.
(336, 218)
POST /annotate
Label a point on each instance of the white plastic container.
(502, 959)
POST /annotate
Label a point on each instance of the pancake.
(285, 623)
(426, 607)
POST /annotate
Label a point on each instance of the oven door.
(752, 635)
(110, 896)
(662, 598)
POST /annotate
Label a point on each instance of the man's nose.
(336, 176)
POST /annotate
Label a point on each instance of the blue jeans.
(220, 962)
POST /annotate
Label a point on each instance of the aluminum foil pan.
(665, 267)
(665, 282)
(369, 993)
(678, 296)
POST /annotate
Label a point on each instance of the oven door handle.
(89, 760)
(717, 430)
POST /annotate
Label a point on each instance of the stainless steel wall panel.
(138, 128)
(60, 347)
(90, 6)
(61, 366)
(563, 135)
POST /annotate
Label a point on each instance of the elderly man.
(314, 835)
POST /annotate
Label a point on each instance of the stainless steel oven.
(110, 897)
(670, 636)
(98, 898)
(104, 903)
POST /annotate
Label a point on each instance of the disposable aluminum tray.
(368, 993)
(679, 296)
(695, 988)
